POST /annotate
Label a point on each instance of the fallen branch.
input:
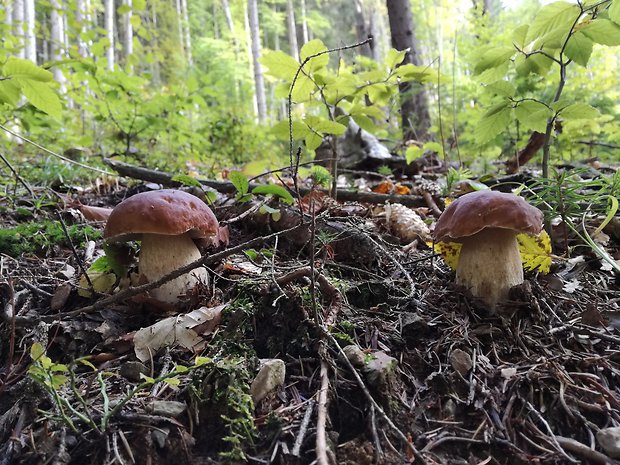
(159, 177)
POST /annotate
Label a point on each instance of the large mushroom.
(486, 223)
(166, 222)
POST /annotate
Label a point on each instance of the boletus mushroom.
(486, 223)
(166, 222)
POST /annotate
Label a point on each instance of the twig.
(303, 428)
(552, 436)
(321, 437)
(584, 451)
(75, 254)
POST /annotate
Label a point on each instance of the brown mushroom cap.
(167, 212)
(478, 210)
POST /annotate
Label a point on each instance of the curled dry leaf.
(186, 331)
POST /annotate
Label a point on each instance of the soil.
(429, 376)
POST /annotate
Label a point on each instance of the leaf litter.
(535, 383)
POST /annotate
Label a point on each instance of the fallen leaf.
(535, 252)
(186, 331)
(384, 187)
(449, 251)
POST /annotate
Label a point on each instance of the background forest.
(173, 84)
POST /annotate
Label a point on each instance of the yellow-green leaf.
(20, 68)
(41, 96)
(449, 251)
(535, 252)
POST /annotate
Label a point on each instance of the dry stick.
(133, 291)
(302, 429)
(552, 436)
(372, 401)
(584, 451)
(321, 437)
(159, 177)
(75, 254)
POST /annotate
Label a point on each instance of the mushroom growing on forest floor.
(486, 223)
(167, 222)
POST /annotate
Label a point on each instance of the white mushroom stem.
(160, 255)
(490, 264)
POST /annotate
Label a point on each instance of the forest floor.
(386, 360)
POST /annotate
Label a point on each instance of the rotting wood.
(160, 177)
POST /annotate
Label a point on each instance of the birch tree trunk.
(80, 17)
(248, 38)
(109, 27)
(29, 20)
(416, 120)
(127, 32)
(304, 23)
(177, 7)
(18, 27)
(187, 34)
(259, 82)
(8, 13)
(292, 29)
(57, 43)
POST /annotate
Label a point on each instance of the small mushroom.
(167, 222)
(487, 223)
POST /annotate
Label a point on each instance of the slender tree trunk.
(57, 42)
(362, 31)
(8, 13)
(304, 22)
(187, 33)
(256, 52)
(177, 6)
(109, 27)
(18, 27)
(127, 33)
(376, 28)
(30, 42)
(155, 69)
(80, 17)
(292, 29)
(248, 38)
(414, 111)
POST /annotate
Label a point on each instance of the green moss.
(38, 237)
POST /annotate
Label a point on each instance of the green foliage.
(361, 91)
(40, 236)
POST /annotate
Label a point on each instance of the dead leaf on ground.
(186, 331)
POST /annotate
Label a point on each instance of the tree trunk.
(292, 29)
(80, 17)
(362, 31)
(8, 14)
(248, 38)
(304, 23)
(187, 34)
(18, 27)
(127, 33)
(30, 42)
(256, 51)
(57, 42)
(109, 27)
(414, 110)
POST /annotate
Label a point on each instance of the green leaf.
(9, 92)
(578, 111)
(493, 122)
(614, 12)
(434, 147)
(553, 16)
(603, 31)
(240, 181)
(493, 58)
(364, 122)
(19, 68)
(280, 65)
(274, 189)
(579, 48)
(201, 361)
(41, 96)
(502, 88)
(135, 21)
(147, 379)
(413, 152)
(324, 125)
(533, 115)
(37, 351)
(312, 48)
(313, 141)
(186, 180)
(519, 35)
(174, 381)
(304, 86)
(123, 9)
(281, 130)
(394, 58)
